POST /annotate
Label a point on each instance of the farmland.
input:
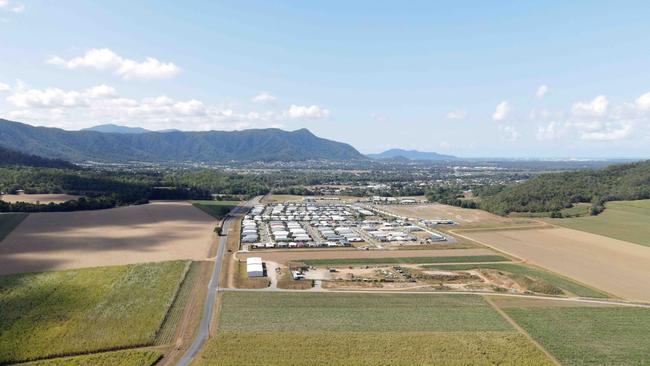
(522, 270)
(302, 255)
(38, 198)
(405, 260)
(623, 220)
(159, 231)
(8, 223)
(216, 209)
(77, 311)
(364, 329)
(434, 211)
(117, 358)
(589, 335)
(611, 265)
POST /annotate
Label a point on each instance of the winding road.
(213, 286)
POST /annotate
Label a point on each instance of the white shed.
(254, 267)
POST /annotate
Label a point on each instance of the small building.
(254, 267)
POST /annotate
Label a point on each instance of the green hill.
(176, 146)
(557, 191)
(10, 157)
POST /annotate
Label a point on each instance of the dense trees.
(556, 191)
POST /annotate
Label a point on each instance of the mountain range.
(175, 146)
(410, 155)
(111, 128)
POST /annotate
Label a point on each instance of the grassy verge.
(405, 260)
(118, 358)
(589, 335)
(623, 220)
(174, 315)
(52, 314)
(8, 222)
(523, 270)
(216, 209)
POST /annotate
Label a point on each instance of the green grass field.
(589, 335)
(76, 311)
(624, 220)
(364, 329)
(405, 260)
(519, 269)
(8, 222)
(216, 209)
(117, 358)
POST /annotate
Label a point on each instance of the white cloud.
(4, 88)
(551, 131)
(604, 131)
(642, 103)
(263, 97)
(595, 108)
(501, 111)
(12, 6)
(457, 114)
(509, 133)
(306, 112)
(102, 91)
(542, 91)
(106, 60)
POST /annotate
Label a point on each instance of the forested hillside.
(176, 146)
(11, 157)
(556, 191)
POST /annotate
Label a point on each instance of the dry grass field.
(159, 231)
(612, 265)
(283, 257)
(462, 216)
(40, 198)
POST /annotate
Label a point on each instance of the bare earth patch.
(40, 198)
(612, 265)
(286, 256)
(437, 211)
(159, 231)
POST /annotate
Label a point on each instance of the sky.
(469, 78)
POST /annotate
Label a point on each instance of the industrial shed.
(254, 267)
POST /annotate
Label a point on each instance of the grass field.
(589, 335)
(405, 260)
(117, 358)
(364, 329)
(518, 269)
(624, 220)
(8, 223)
(375, 348)
(216, 209)
(76, 311)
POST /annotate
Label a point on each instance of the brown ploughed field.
(40, 198)
(612, 265)
(159, 231)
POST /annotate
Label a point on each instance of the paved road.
(213, 287)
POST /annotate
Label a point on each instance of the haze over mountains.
(175, 146)
(411, 155)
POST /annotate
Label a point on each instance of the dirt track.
(615, 266)
(155, 232)
(286, 256)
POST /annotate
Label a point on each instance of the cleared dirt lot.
(435, 211)
(287, 256)
(42, 198)
(159, 231)
(612, 265)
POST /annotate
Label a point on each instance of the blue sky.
(471, 78)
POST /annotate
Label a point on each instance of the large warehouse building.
(254, 267)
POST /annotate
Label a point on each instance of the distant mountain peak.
(111, 128)
(411, 155)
